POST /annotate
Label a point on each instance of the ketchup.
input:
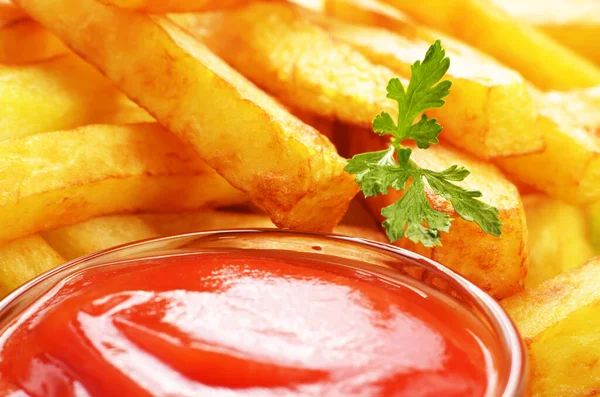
(237, 324)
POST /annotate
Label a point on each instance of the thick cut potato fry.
(356, 223)
(23, 259)
(583, 104)
(489, 111)
(164, 6)
(558, 238)
(59, 94)
(8, 11)
(98, 234)
(569, 167)
(497, 265)
(481, 24)
(60, 178)
(594, 225)
(305, 60)
(559, 322)
(286, 167)
(575, 23)
(281, 49)
(26, 41)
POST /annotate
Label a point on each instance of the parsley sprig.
(376, 172)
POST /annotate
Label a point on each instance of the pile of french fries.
(122, 120)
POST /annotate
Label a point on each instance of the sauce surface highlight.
(228, 324)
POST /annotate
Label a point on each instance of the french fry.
(23, 259)
(60, 178)
(569, 168)
(594, 226)
(558, 238)
(489, 111)
(10, 13)
(583, 104)
(164, 6)
(305, 60)
(357, 222)
(559, 320)
(481, 24)
(574, 24)
(26, 41)
(59, 94)
(497, 265)
(286, 167)
(98, 234)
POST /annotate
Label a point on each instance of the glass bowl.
(371, 258)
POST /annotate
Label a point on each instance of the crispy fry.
(538, 58)
(26, 41)
(305, 60)
(569, 167)
(286, 167)
(584, 104)
(23, 259)
(10, 13)
(558, 238)
(60, 178)
(59, 94)
(593, 213)
(497, 265)
(559, 320)
(489, 112)
(98, 234)
(164, 6)
(575, 24)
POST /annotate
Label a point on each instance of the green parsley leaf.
(412, 216)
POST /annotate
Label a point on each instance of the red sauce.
(228, 324)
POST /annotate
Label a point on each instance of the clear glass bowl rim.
(513, 345)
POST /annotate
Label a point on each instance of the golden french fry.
(10, 13)
(574, 24)
(357, 223)
(569, 168)
(26, 41)
(23, 259)
(583, 104)
(286, 167)
(481, 24)
(489, 111)
(594, 220)
(559, 320)
(59, 94)
(60, 178)
(497, 265)
(164, 6)
(97, 234)
(306, 60)
(558, 238)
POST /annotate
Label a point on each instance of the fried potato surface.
(559, 320)
(8, 11)
(569, 168)
(26, 41)
(497, 265)
(356, 223)
(23, 259)
(574, 24)
(481, 24)
(333, 69)
(164, 6)
(583, 104)
(59, 94)
(489, 111)
(594, 225)
(98, 234)
(286, 167)
(60, 178)
(558, 238)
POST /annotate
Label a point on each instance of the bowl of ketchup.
(256, 313)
